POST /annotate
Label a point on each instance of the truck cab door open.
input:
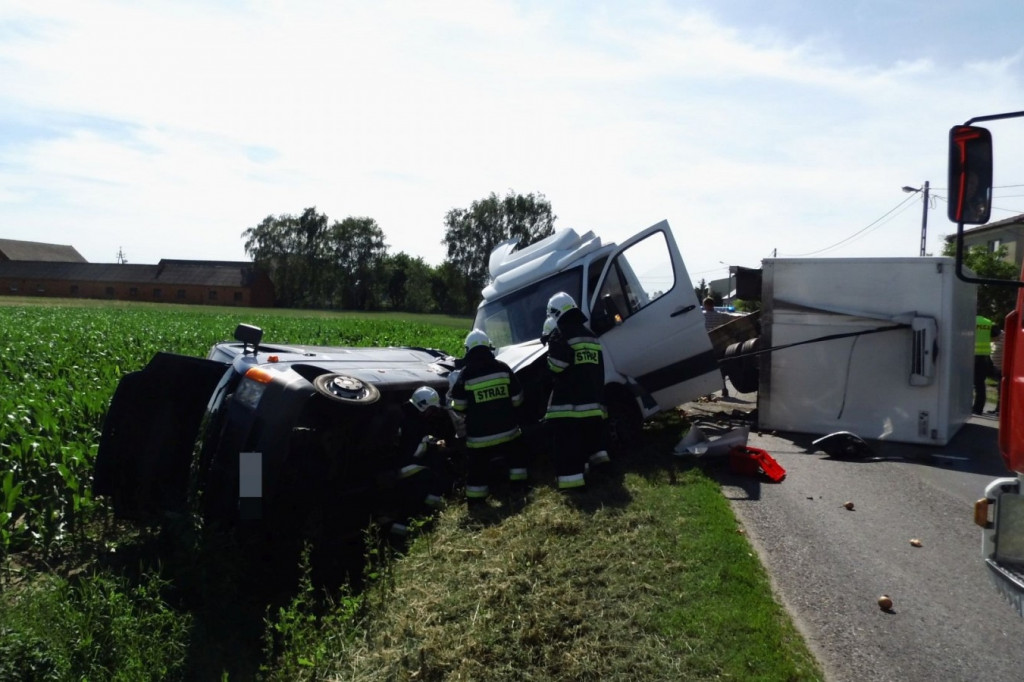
(145, 451)
(649, 320)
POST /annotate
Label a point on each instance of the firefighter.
(982, 361)
(545, 332)
(424, 473)
(488, 394)
(575, 413)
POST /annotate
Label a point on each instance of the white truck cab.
(639, 301)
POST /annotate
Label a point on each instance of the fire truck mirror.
(970, 175)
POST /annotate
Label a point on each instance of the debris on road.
(755, 461)
(885, 602)
(844, 445)
(915, 542)
(848, 505)
(696, 442)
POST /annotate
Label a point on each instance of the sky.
(164, 129)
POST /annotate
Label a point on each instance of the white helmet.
(424, 397)
(477, 337)
(453, 376)
(560, 303)
(549, 326)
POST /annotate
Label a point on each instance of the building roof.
(166, 273)
(1017, 220)
(17, 250)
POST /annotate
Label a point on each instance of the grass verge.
(643, 577)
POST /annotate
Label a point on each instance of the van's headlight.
(253, 385)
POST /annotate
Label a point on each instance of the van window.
(640, 275)
(519, 316)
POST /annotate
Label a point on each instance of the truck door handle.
(683, 311)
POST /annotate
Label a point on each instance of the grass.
(438, 320)
(643, 577)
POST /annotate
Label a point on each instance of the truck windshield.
(519, 316)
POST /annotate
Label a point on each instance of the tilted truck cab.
(639, 301)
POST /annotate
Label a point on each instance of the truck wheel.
(346, 389)
(743, 371)
(625, 425)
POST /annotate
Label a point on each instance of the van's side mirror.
(970, 174)
(250, 336)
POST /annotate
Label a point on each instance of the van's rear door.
(659, 338)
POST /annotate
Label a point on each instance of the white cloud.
(168, 128)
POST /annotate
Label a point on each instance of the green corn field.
(61, 364)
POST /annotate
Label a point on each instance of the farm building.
(32, 269)
(14, 249)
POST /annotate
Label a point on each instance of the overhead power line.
(875, 224)
(997, 208)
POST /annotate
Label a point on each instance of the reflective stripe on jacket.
(982, 336)
(487, 393)
(576, 362)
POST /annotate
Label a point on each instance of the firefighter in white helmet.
(545, 332)
(423, 472)
(488, 394)
(575, 413)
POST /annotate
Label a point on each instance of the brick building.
(32, 269)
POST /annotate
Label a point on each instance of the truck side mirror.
(970, 175)
(604, 315)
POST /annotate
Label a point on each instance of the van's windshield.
(519, 316)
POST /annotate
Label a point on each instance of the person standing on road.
(997, 363)
(982, 361)
(575, 411)
(712, 319)
(488, 393)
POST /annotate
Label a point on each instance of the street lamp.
(924, 210)
(728, 294)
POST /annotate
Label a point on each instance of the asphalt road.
(830, 564)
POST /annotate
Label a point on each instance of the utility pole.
(924, 211)
(924, 216)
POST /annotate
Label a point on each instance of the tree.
(407, 283)
(310, 228)
(316, 265)
(356, 254)
(274, 246)
(471, 234)
(994, 301)
(448, 286)
(702, 290)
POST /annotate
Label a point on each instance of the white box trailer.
(904, 372)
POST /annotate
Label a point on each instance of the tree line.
(346, 265)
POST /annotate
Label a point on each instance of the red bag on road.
(754, 461)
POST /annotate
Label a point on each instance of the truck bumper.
(1010, 582)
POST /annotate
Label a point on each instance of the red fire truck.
(1000, 512)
